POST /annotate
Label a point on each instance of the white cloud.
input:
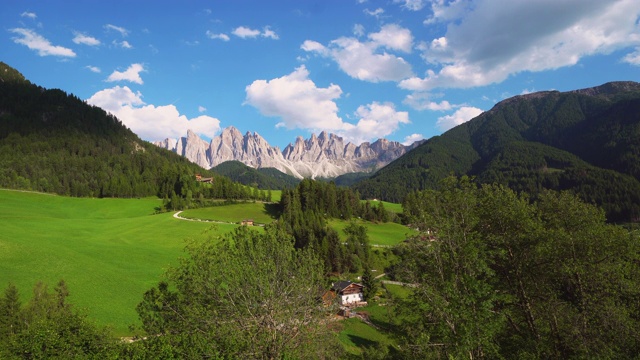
(132, 74)
(297, 101)
(94, 69)
(124, 32)
(364, 60)
(422, 101)
(358, 30)
(633, 58)
(245, 32)
(30, 15)
(376, 121)
(123, 44)
(413, 5)
(85, 40)
(268, 33)
(393, 37)
(148, 121)
(487, 41)
(202, 109)
(461, 116)
(36, 42)
(223, 37)
(408, 140)
(376, 13)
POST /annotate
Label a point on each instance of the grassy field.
(393, 207)
(385, 234)
(261, 213)
(109, 251)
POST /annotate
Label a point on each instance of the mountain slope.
(52, 141)
(324, 156)
(587, 141)
(263, 178)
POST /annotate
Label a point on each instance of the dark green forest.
(264, 178)
(51, 141)
(585, 141)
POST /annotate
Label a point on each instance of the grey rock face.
(325, 155)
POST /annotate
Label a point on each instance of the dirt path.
(177, 216)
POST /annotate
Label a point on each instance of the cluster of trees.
(305, 210)
(251, 296)
(500, 276)
(49, 327)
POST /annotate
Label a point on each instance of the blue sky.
(363, 69)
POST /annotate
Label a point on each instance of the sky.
(403, 70)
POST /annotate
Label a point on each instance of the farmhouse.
(203, 179)
(349, 293)
(247, 222)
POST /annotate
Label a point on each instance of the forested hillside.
(263, 178)
(54, 142)
(586, 141)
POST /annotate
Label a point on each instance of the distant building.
(247, 222)
(349, 293)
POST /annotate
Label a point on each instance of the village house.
(247, 222)
(349, 294)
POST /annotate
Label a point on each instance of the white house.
(349, 293)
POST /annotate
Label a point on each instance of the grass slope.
(261, 213)
(383, 234)
(109, 251)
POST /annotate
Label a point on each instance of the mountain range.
(584, 141)
(323, 156)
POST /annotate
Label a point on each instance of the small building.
(349, 293)
(247, 222)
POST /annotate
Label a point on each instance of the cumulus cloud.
(248, 33)
(94, 69)
(376, 120)
(633, 58)
(297, 101)
(214, 36)
(423, 101)
(365, 60)
(148, 121)
(301, 104)
(124, 32)
(132, 74)
(487, 41)
(413, 5)
(408, 140)
(28, 14)
(42, 46)
(461, 116)
(85, 40)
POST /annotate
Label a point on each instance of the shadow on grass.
(362, 342)
(272, 209)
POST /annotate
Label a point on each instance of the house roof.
(343, 284)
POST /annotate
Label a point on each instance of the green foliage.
(586, 142)
(251, 296)
(265, 178)
(48, 327)
(500, 276)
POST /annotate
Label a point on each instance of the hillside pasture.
(380, 234)
(108, 251)
(261, 213)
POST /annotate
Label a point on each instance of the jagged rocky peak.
(323, 155)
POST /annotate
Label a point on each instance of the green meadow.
(108, 251)
(260, 213)
(380, 234)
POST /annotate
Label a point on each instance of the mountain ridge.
(325, 155)
(586, 141)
